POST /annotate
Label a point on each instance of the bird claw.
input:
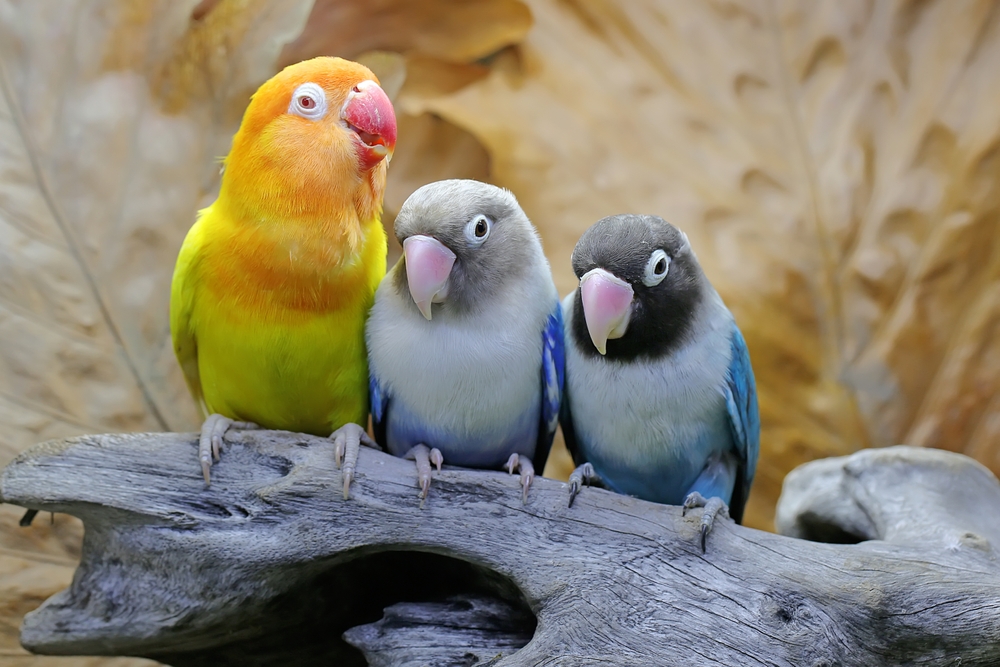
(511, 463)
(347, 441)
(712, 507)
(583, 475)
(423, 456)
(436, 458)
(524, 466)
(348, 478)
(212, 440)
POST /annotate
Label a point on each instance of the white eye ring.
(656, 268)
(308, 101)
(478, 229)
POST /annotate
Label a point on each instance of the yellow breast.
(279, 319)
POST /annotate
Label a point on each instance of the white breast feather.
(630, 411)
(465, 374)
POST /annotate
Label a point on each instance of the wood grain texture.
(190, 575)
(460, 631)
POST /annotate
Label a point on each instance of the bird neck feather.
(302, 194)
(301, 239)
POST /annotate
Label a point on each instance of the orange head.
(313, 145)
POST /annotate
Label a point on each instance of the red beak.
(369, 113)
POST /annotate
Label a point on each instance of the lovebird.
(465, 340)
(275, 278)
(660, 399)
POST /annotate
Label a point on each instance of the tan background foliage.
(835, 164)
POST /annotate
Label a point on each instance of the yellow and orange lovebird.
(275, 279)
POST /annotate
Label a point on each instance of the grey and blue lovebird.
(660, 399)
(465, 340)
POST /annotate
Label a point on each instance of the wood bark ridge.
(270, 565)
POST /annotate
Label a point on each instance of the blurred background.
(835, 163)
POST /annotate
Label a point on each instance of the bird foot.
(584, 475)
(424, 456)
(712, 507)
(212, 439)
(527, 470)
(347, 441)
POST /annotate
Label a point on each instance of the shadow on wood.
(270, 565)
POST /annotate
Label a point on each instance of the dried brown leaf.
(450, 30)
(112, 117)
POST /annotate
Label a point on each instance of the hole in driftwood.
(819, 529)
(304, 627)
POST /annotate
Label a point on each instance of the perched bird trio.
(283, 317)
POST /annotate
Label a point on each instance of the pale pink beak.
(607, 306)
(428, 265)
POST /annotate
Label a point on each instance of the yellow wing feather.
(182, 294)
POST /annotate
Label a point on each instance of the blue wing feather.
(379, 407)
(569, 429)
(553, 377)
(744, 420)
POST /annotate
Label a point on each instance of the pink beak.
(607, 306)
(428, 265)
(369, 113)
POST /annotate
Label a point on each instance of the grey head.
(482, 226)
(651, 258)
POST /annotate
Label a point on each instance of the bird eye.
(478, 229)
(308, 101)
(656, 268)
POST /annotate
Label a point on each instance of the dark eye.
(307, 102)
(477, 229)
(656, 268)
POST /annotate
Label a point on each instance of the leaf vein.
(73, 246)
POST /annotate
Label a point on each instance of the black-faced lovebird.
(465, 337)
(660, 398)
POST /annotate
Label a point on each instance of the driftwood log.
(271, 566)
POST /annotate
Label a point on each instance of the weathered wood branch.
(270, 565)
